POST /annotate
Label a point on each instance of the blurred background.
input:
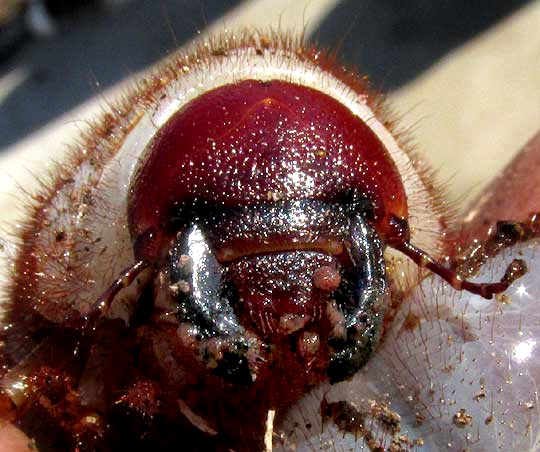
(463, 82)
(66, 51)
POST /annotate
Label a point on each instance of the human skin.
(512, 195)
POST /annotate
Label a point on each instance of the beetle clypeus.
(223, 240)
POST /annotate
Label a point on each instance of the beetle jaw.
(276, 322)
(269, 310)
(236, 359)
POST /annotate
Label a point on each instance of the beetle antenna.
(515, 270)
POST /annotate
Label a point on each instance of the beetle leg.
(127, 276)
(208, 322)
(363, 303)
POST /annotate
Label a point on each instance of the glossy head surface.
(256, 142)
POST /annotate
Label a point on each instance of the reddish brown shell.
(256, 142)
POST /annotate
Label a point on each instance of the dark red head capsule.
(249, 194)
(260, 143)
(267, 205)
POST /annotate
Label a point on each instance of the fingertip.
(513, 195)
